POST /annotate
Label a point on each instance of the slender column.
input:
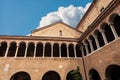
(8, 46)
(67, 51)
(91, 46)
(114, 31)
(60, 50)
(52, 50)
(35, 50)
(104, 37)
(43, 50)
(86, 48)
(96, 40)
(81, 48)
(26, 50)
(75, 52)
(16, 50)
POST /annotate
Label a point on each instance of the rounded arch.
(99, 37)
(108, 32)
(71, 50)
(112, 72)
(12, 49)
(51, 75)
(20, 76)
(93, 42)
(47, 49)
(39, 49)
(21, 49)
(56, 50)
(115, 21)
(78, 51)
(30, 49)
(88, 45)
(112, 18)
(3, 47)
(94, 75)
(69, 75)
(63, 50)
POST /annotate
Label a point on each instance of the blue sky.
(20, 17)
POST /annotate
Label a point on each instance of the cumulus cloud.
(70, 15)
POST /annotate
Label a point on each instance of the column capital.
(102, 30)
(35, 45)
(17, 45)
(95, 35)
(89, 40)
(85, 44)
(81, 47)
(111, 24)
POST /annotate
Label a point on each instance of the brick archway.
(51, 75)
(20, 76)
(94, 75)
(113, 72)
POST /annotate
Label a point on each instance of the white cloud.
(70, 15)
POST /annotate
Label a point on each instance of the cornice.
(38, 38)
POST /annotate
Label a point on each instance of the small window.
(60, 32)
(102, 9)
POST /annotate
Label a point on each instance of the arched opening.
(63, 50)
(115, 20)
(78, 51)
(94, 75)
(12, 49)
(108, 32)
(3, 48)
(93, 42)
(21, 49)
(21, 76)
(71, 50)
(113, 72)
(84, 50)
(56, 50)
(51, 75)
(30, 50)
(39, 50)
(88, 46)
(69, 76)
(100, 38)
(47, 50)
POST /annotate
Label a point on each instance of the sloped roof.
(54, 24)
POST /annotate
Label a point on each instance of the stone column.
(16, 50)
(43, 50)
(67, 51)
(96, 41)
(35, 48)
(26, 50)
(52, 50)
(114, 31)
(104, 37)
(91, 46)
(75, 52)
(6, 53)
(86, 48)
(60, 50)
